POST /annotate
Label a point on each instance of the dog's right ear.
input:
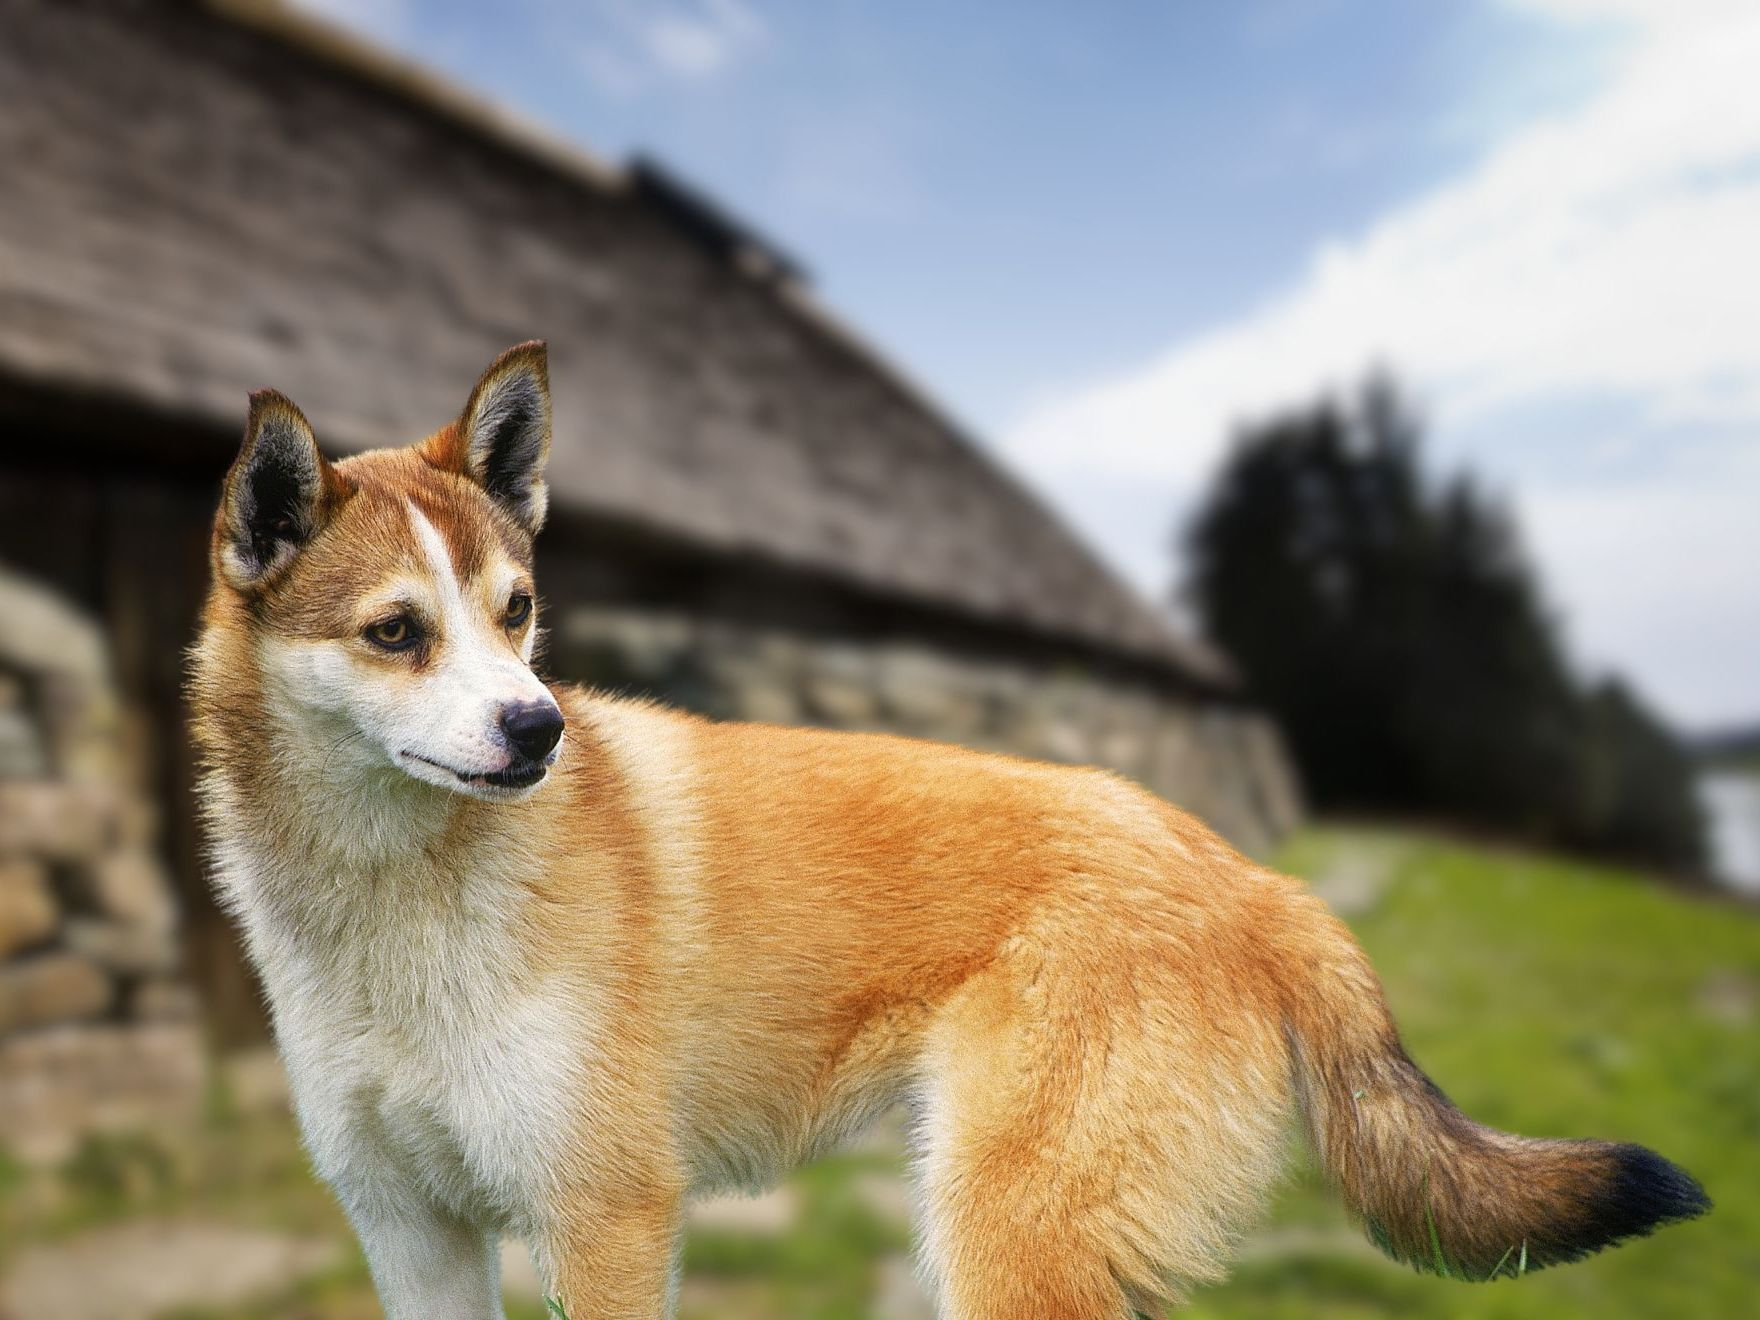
(275, 493)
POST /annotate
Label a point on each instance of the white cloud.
(640, 44)
(1642, 13)
(1611, 254)
(693, 44)
(1662, 579)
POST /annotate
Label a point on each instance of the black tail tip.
(1635, 1192)
(1644, 1192)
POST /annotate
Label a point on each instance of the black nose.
(532, 728)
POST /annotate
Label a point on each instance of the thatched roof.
(205, 199)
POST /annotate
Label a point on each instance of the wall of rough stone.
(1225, 763)
(97, 1030)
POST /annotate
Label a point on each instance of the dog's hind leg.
(1005, 1231)
(1089, 1141)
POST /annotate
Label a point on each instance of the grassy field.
(1548, 997)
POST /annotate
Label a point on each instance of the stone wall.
(96, 1028)
(1224, 763)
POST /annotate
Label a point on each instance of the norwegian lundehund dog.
(547, 964)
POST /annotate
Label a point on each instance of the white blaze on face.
(453, 723)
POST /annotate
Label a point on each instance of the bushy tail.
(1434, 1188)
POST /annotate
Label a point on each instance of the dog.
(547, 964)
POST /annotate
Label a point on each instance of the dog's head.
(389, 596)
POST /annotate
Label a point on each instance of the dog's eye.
(395, 634)
(519, 609)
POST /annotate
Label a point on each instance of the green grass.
(1547, 997)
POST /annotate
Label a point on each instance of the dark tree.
(1641, 800)
(1398, 633)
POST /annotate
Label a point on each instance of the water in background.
(1732, 801)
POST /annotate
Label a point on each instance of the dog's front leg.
(616, 1257)
(428, 1265)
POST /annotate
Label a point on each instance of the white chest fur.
(425, 1059)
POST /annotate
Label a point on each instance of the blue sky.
(1100, 233)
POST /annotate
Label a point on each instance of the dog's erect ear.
(274, 495)
(503, 437)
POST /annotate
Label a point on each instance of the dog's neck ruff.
(312, 835)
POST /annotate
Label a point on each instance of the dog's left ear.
(503, 437)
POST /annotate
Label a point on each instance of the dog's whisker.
(329, 752)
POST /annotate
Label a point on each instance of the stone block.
(925, 694)
(21, 747)
(44, 635)
(79, 719)
(1123, 750)
(161, 998)
(129, 950)
(59, 822)
(839, 700)
(28, 914)
(137, 822)
(763, 700)
(51, 987)
(623, 648)
(128, 886)
(1004, 693)
(1048, 737)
